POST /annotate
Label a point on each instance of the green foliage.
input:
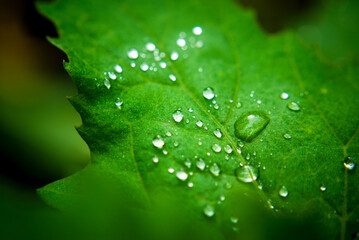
(122, 116)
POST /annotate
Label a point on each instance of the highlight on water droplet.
(201, 164)
(293, 106)
(323, 188)
(208, 210)
(119, 103)
(197, 30)
(215, 170)
(171, 170)
(155, 159)
(144, 67)
(177, 116)
(234, 220)
(132, 53)
(172, 77)
(349, 163)
(158, 142)
(150, 46)
(208, 93)
(250, 125)
(247, 173)
(190, 184)
(283, 192)
(174, 56)
(217, 133)
(118, 68)
(181, 42)
(216, 148)
(228, 149)
(182, 175)
(284, 95)
(199, 123)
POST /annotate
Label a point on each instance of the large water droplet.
(177, 116)
(132, 53)
(158, 142)
(215, 170)
(201, 164)
(182, 175)
(283, 192)
(208, 93)
(247, 173)
(250, 125)
(349, 163)
(216, 148)
(293, 106)
(217, 133)
(208, 210)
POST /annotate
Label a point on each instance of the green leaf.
(303, 147)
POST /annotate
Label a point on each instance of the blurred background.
(38, 139)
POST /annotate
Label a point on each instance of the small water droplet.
(208, 93)
(181, 42)
(250, 125)
(175, 144)
(216, 148)
(144, 67)
(133, 64)
(217, 133)
(247, 173)
(222, 198)
(107, 83)
(190, 184)
(349, 163)
(118, 68)
(293, 106)
(174, 56)
(209, 211)
(287, 136)
(158, 142)
(172, 77)
(188, 163)
(197, 30)
(284, 95)
(171, 170)
(201, 164)
(155, 159)
(323, 188)
(283, 192)
(234, 220)
(199, 44)
(150, 46)
(119, 103)
(168, 134)
(182, 175)
(200, 69)
(132, 53)
(215, 170)
(177, 116)
(165, 152)
(228, 185)
(238, 105)
(228, 149)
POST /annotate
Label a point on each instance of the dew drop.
(165, 152)
(247, 173)
(216, 148)
(172, 77)
(182, 175)
(118, 68)
(349, 163)
(209, 211)
(119, 103)
(215, 170)
(287, 136)
(228, 185)
(163, 65)
(200, 164)
(217, 133)
(155, 159)
(133, 64)
(107, 83)
(132, 53)
(144, 67)
(283, 192)
(197, 30)
(158, 142)
(234, 220)
(174, 56)
(168, 134)
(323, 188)
(150, 46)
(177, 116)
(208, 93)
(181, 42)
(293, 106)
(238, 105)
(284, 95)
(175, 144)
(250, 125)
(188, 163)
(190, 184)
(228, 149)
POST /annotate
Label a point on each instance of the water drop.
(190, 184)
(323, 188)
(250, 125)
(163, 65)
(165, 152)
(155, 159)
(208, 93)
(172, 77)
(107, 83)
(199, 44)
(228, 149)
(216, 148)
(197, 30)
(188, 163)
(150, 46)
(247, 173)
(228, 185)
(283, 192)
(234, 220)
(132, 53)
(293, 106)
(171, 170)
(174, 56)
(349, 163)
(133, 64)
(175, 144)
(181, 42)
(201, 164)
(287, 136)
(208, 210)
(158, 142)
(215, 170)
(144, 67)
(177, 116)
(118, 68)
(284, 96)
(222, 198)
(168, 134)
(119, 103)
(217, 133)
(238, 105)
(182, 175)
